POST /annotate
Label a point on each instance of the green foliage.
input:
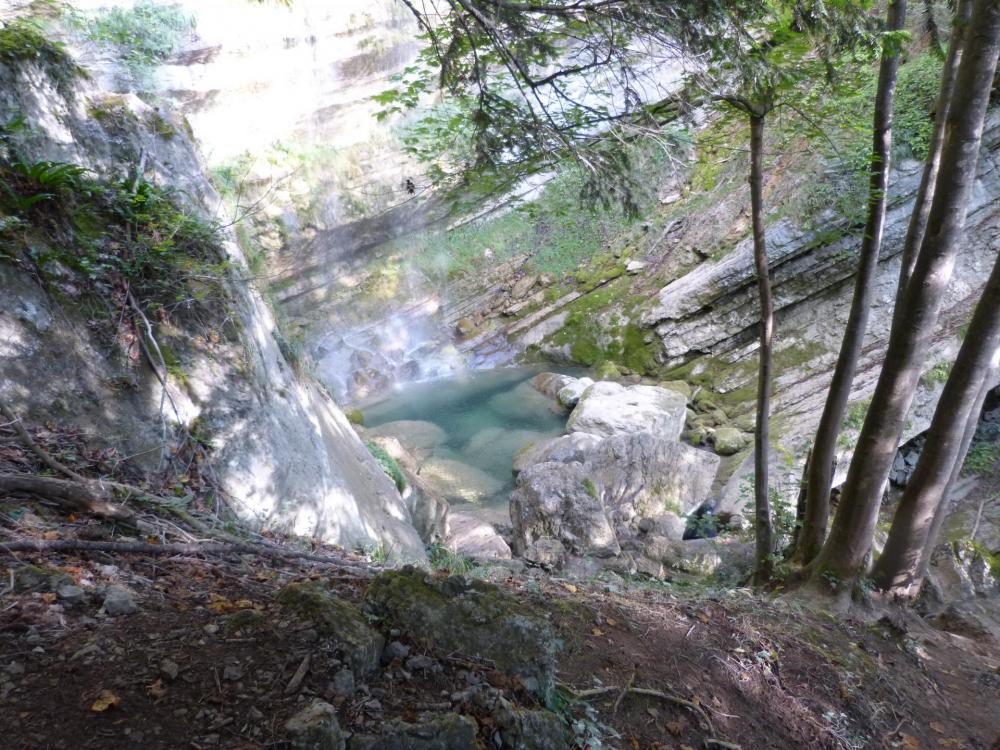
(111, 232)
(916, 94)
(937, 375)
(442, 558)
(388, 464)
(854, 419)
(982, 459)
(355, 416)
(589, 488)
(22, 40)
(145, 35)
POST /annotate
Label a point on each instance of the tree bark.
(843, 555)
(762, 511)
(925, 193)
(820, 478)
(79, 494)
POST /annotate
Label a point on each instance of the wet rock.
(316, 728)
(338, 621)
(550, 383)
(569, 395)
(607, 409)
(474, 537)
(118, 601)
(564, 449)
(448, 732)
(459, 482)
(418, 437)
(728, 441)
(470, 617)
(559, 501)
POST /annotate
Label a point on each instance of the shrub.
(22, 41)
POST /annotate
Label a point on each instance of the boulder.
(725, 560)
(606, 370)
(569, 395)
(564, 449)
(559, 501)
(315, 727)
(550, 383)
(483, 448)
(418, 437)
(118, 601)
(607, 409)
(531, 730)
(428, 510)
(473, 537)
(469, 617)
(546, 552)
(336, 620)
(522, 286)
(728, 441)
(459, 482)
(448, 732)
(646, 475)
(678, 386)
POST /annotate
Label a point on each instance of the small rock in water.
(119, 601)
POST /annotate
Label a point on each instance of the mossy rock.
(606, 371)
(356, 416)
(746, 422)
(680, 386)
(728, 441)
(33, 578)
(448, 732)
(340, 621)
(472, 618)
(246, 620)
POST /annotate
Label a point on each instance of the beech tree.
(819, 473)
(843, 556)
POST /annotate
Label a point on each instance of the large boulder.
(550, 383)
(564, 449)
(459, 482)
(474, 537)
(428, 510)
(728, 441)
(607, 409)
(469, 617)
(726, 560)
(560, 500)
(418, 437)
(448, 732)
(569, 395)
(315, 727)
(647, 475)
(336, 620)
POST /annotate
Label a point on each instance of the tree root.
(217, 549)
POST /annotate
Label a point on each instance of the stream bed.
(484, 417)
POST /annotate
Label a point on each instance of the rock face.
(281, 448)
(469, 617)
(315, 727)
(474, 537)
(459, 482)
(607, 409)
(564, 449)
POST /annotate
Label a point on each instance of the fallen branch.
(218, 549)
(77, 495)
(669, 697)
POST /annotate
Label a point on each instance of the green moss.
(22, 41)
(355, 416)
(937, 375)
(388, 464)
(589, 488)
(161, 126)
(854, 419)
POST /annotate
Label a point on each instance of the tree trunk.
(762, 512)
(930, 23)
(955, 419)
(817, 507)
(942, 510)
(925, 193)
(843, 555)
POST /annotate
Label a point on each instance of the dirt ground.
(208, 659)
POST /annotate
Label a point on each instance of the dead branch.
(31, 445)
(669, 697)
(78, 495)
(216, 549)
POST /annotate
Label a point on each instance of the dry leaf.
(937, 726)
(634, 743)
(219, 604)
(570, 588)
(597, 632)
(676, 728)
(611, 621)
(243, 604)
(48, 597)
(50, 535)
(104, 701)
(908, 741)
(156, 690)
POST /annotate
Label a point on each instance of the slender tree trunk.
(930, 23)
(899, 564)
(843, 555)
(925, 193)
(817, 507)
(942, 510)
(762, 512)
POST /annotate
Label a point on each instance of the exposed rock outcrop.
(607, 409)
